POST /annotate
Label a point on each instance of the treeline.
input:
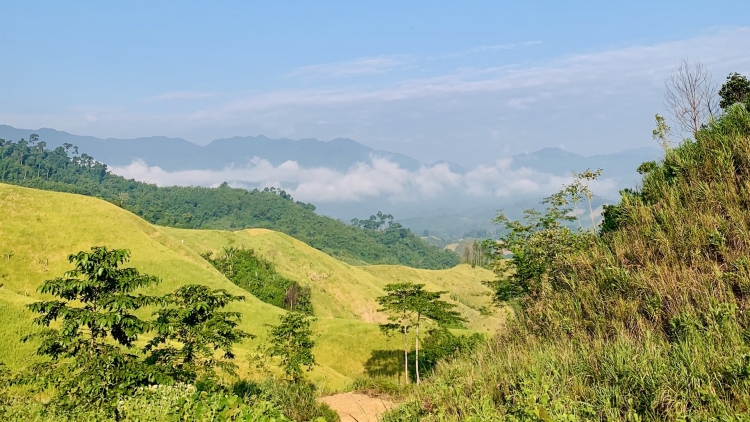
(29, 163)
(258, 276)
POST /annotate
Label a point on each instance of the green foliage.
(91, 366)
(409, 306)
(536, 245)
(258, 276)
(292, 341)
(191, 318)
(30, 164)
(646, 322)
(735, 90)
(204, 406)
(375, 222)
(94, 366)
(443, 346)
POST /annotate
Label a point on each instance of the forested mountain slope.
(647, 320)
(31, 164)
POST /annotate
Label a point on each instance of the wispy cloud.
(485, 48)
(357, 67)
(181, 95)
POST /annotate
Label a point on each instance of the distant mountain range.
(452, 215)
(174, 154)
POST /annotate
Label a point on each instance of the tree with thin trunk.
(427, 306)
(662, 133)
(398, 304)
(691, 96)
(580, 188)
(409, 306)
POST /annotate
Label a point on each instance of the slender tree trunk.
(591, 214)
(416, 350)
(406, 359)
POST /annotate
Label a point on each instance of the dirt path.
(354, 407)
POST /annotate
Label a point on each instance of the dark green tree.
(735, 90)
(191, 319)
(91, 364)
(292, 341)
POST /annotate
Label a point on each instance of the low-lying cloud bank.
(378, 179)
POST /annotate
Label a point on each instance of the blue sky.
(461, 81)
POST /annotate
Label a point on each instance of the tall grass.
(647, 322)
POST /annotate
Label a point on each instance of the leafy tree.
(397, 304)
(90, 363)
(190, 317)
(292, 341)
(427, 306)
(662, 133)
(535, 245)
(580, 188)
(735, 90)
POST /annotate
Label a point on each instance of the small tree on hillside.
(190, 317)
(427, 306)
(580, 188)
(292, 341)
(397, 303)
(90, 365)
(735, 90)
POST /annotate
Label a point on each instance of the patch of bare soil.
(355, 407)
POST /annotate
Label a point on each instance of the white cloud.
(378, 179)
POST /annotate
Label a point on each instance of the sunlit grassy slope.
(340, 290)
(38, 229)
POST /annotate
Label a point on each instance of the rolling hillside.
(38, 229)
(340, 290)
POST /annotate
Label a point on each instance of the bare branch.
(691, 96)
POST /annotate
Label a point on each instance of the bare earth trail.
(354, 407)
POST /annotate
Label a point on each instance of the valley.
(40, 228)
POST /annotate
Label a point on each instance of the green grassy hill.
(340, 290)
(646, 320)
(38, 229)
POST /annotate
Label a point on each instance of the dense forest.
(29, 163)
